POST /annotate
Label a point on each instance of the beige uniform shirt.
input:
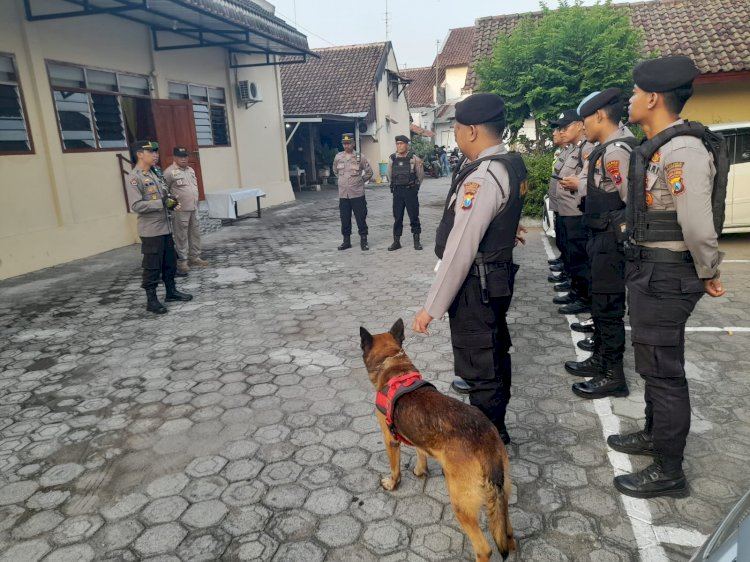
(680, 178)
(576, 162)
(145, 192)
(616, 161)
(560, 156)
(183, 186)
(468, 230)
(352, 171)
(416, 166)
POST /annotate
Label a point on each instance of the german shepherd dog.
(458, 436)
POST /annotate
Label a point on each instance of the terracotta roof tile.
(342, 80)
(420, 92)
(457, 48)
(715, 33)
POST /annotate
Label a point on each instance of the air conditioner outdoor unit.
(249, 92)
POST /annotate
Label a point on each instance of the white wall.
(455, 77)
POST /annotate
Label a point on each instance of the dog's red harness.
(386, 399)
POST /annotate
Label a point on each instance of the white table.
(223, 204)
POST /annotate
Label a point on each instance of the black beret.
(480, 108)
(565, 118)
(347, 137)
(610, 96)
(180, 151)
(139, 146)
(665, 74)
(403, 138)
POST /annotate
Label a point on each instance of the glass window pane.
(101, 80)
(216, 95)
(742, 152)
(198, 93)
(67, 76)
(109, 126)
(13, 135)
(134, 85)
(74, 116)
(7, 69)
(219, 126)
(178, 91)
(202, 124)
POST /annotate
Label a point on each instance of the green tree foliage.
(539, 167)
(421, 146)
(552, 62)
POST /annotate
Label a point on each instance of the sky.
(414, 25)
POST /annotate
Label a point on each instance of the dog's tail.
(497, 490)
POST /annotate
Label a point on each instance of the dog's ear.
(397, 331)
(366, 338)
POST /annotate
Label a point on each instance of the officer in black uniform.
(475, 240)
(406, 173)
(604, 216)
(675, 213)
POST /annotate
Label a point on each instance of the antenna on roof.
(387, 20)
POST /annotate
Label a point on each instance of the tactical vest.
(659, 226)
(402, 174)
(386, 398)
(500, 238)
(601, 206)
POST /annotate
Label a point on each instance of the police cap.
(610, 96)
(665, 73)
(480, 108)
(565, 118)
(139, 146)
(403, 138)
(180, 151)
(347, 137)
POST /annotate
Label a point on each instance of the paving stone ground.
(240, 426)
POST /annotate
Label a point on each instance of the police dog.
(458, 436)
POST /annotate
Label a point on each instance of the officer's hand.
(519, 235)
(171, 203)
(421, 321)
(714, 287)
(569, 183)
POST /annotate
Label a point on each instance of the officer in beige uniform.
(353, 171)
(475, 241)
(561, 155)
(673, 259)
(147, 196)
(182, 185)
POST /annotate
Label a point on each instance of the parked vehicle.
(730, 542)
(738, 187)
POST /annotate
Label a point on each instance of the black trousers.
(358, 206)
(159, 260)
(406, 198)
(607, 296)
(661, 297)
(559, 241)
(576, 238)
(481, 342)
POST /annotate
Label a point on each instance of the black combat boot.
(396, 244)
(576, 307)
(346, 244)
(153, 304)
(661, 478)
(460, 385)
(173, 295)
(565, 299)
(610, 383)
(638, 443)
(363, 243)
(555, 261)
(585, 326)
(556, 267)
(591, 367)
(417, 243)
(586, 344)
(561, 287)
(558, 278)
(503, 431)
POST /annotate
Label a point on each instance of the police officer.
(673, 260)
(475, 241)
(604, 216)
(406, 173)
(147, 196)
(353, 171)
(569, 206)
(182, 185)
(561, 154)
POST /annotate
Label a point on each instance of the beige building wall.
(727, 102)
(455, 77)
(56, 207)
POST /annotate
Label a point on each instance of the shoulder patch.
(134, 182)
(675, 178)
(613, 167)
(470, 191)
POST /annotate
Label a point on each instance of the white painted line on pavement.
(735, 261)
(729, 329)
(648, 537)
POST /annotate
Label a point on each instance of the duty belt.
(488, 268)
(660, 255)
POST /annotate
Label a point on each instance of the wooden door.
(175, 126)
